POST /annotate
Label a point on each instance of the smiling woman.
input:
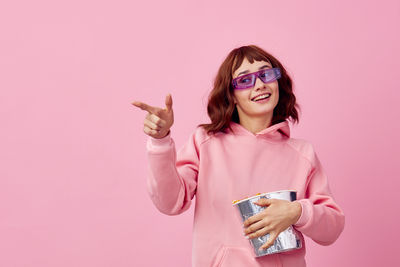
(245, 149)
(227, 100)
(255, 107)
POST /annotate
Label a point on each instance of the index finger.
(144, 106)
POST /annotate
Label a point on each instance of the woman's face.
(247, 107)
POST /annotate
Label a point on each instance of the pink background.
(72, 147)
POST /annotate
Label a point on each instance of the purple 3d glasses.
(248, 80)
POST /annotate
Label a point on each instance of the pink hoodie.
(234, 165)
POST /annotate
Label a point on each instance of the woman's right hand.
(158, 121)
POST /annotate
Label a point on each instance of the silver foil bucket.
(287, 240)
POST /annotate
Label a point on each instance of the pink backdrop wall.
(72, 148)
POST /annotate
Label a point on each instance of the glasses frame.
(253, 76)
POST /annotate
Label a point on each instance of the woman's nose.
(259, 84)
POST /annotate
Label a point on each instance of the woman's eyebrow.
(246, 71)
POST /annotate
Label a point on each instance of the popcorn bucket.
(287, 240)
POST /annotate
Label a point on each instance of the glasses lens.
(269, 75)
(245, 81)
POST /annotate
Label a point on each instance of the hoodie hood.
(277, 132)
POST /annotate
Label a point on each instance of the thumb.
(264, 202)
(168, 102)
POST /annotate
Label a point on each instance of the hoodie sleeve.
(321, 219)
(172, 178)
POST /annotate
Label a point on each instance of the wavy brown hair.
(221, 108)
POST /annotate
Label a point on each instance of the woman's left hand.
(277, 217)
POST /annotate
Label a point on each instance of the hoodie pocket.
(233, 257)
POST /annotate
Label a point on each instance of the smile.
(261, 97)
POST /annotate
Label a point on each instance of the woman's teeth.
(261, 97)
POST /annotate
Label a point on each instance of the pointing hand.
(158, 121)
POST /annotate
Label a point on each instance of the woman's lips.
(262, 100)
(264, 94)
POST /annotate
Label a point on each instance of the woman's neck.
(257, 124)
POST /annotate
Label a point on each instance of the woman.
(245, 150)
